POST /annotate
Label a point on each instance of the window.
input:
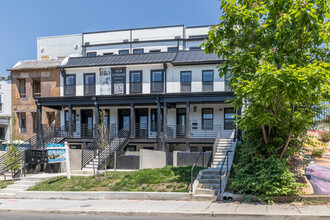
(229, 119)
(0, 103)
(108, 54)
(70, 85)
(123, 52)
(34, 121)
(135, 82)
(66, 120)
(22, 88)
(185, 79)
(91, 54)
(194, 48)
(198, 36)
(157, 81)
(36, 88)
(138, 51)
(2, 133)
(207, 118)
(172, 49)
(153, 126)
(50, 117)
(89, 84)
(154, 51)
(227, 81)
(21, 122)
(207, 80)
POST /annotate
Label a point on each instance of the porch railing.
(192, 131)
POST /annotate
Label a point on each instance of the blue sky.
(23, 21)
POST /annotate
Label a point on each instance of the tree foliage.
(277, 56)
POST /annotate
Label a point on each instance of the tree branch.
(289, 136)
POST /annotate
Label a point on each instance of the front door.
(87, 123)
(181, 122)
(141, 125)
(124, 120)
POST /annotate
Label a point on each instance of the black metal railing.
(226, 159)
(192, 131)
(192, 171)
(113, 146)
(145, 130)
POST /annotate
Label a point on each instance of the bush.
(261, 174)
(318, 152)
(325, 136)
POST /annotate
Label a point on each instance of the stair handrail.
(192, 171)
(215, 144)
(109, 151)
(227, 170)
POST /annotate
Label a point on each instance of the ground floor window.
(207, 118)
(2, 133)
(153, 124)
(66, 120)
(229, 119)
(50, 117)
(21, 122)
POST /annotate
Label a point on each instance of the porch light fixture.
(220, 109)
(195, 109)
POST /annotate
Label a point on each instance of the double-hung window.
(138, 51)
(70, 85)
(207, 118)
(89, 84)
(135, 82)
(22, 88)
(185, 79)
(157, 81)
(123, 52)
(207, 80)
(229, 119)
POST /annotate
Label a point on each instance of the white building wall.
(59, 46)
(5, 113)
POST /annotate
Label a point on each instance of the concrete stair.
(209, 182)
(89, 167)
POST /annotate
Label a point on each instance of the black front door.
(141, 125)
(181, 122)
(87, 123)
(124, 120)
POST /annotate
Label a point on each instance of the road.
(34, 216)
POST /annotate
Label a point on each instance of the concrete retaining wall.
(152, 159)
(103, 195)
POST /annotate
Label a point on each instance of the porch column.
(39, 118)
(70, 120)
(97, 119)
(188, 120)
(165, 119)
(159, 126)
(132, 120)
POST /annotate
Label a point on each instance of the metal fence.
(189, 158)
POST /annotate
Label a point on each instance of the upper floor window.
(91, 54)
(154, 51)
(36, 88)
(185, 79)
(89, 84)
(207, 118)
(157, 81)
(229, 119)
(138, 51)
(194, 48)
(70, 85)
(207, 80)
(123, 52)
(22, 88)
(135, 82)
(108, 54)
(172, 49)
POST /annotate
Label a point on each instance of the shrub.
(318, 152)
(325, 136)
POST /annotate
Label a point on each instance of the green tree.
(104, 138)
(277, 61)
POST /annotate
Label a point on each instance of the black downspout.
(165, 74)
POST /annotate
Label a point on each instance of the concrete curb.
(101, 195)
(167, 213)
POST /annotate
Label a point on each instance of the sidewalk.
(162, 208)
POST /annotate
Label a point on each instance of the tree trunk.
(264, 134)
(286, 145)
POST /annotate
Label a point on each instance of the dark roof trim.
(132, 29)
(197, 63)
